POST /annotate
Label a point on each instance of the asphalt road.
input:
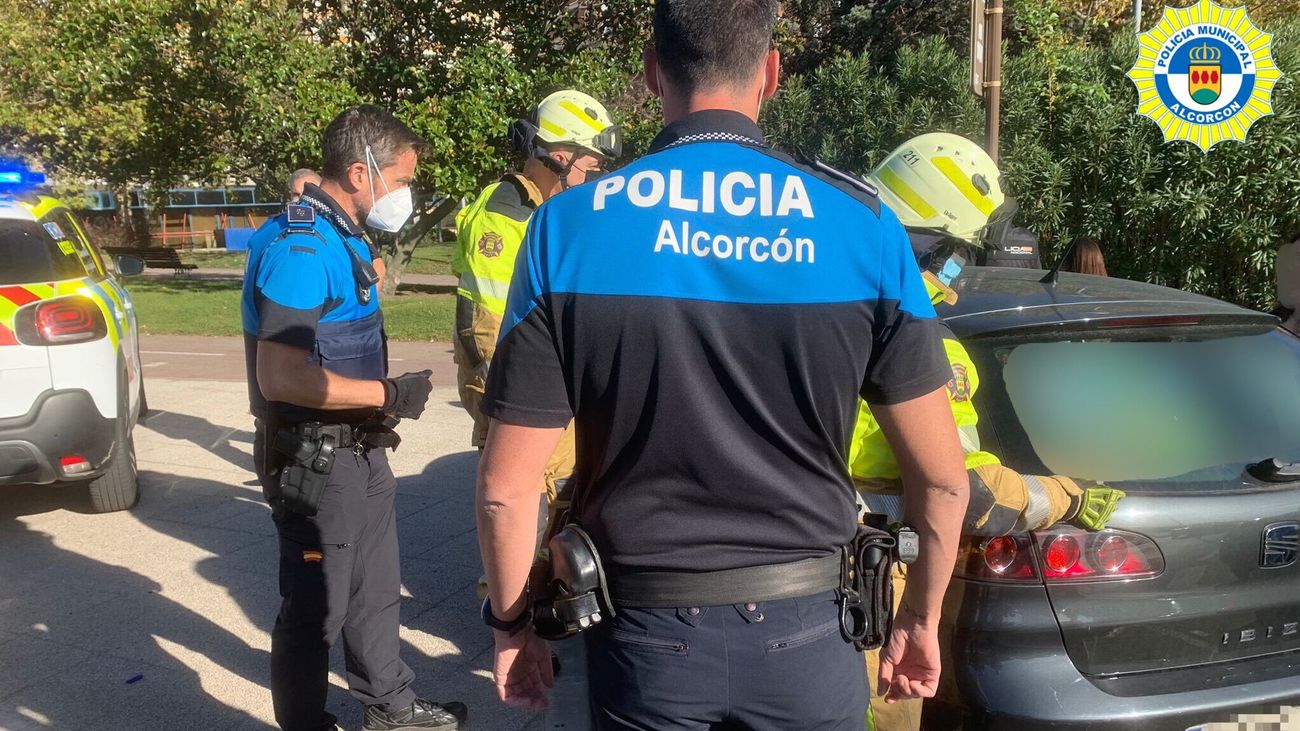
(159, 618)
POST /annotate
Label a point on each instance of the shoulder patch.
(303, 249)
(510, 198)
(853, 185)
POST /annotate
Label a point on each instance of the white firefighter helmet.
(573, 118)
(942, 183)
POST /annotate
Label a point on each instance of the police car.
(70, 381)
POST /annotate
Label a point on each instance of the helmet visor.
(609, 142)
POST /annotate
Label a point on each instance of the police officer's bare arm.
(509, 474)
(935, 491)
(286, 373)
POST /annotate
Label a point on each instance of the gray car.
(1185, 612)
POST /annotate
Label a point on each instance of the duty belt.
(658, 589)
(344, 434)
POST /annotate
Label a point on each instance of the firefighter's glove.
(406, 395)
(1095, 507)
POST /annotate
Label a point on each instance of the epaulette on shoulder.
(854, 185)
(299, 221)
(300, 216)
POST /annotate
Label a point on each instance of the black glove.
(406, 395)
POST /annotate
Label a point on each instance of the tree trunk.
(397, 254)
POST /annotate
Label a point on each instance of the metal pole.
(993, 77)
(1137, 16)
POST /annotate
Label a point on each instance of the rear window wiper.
(1274, 470)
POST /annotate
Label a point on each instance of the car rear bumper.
(1009, 670)
(60, 423)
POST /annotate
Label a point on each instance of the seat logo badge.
(1281, 545)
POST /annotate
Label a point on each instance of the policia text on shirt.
(706, 317)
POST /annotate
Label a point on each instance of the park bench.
(155, 257)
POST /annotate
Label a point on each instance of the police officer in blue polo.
(708, 315)
(325, 407)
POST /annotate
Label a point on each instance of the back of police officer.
(325, 407)
(708, 315)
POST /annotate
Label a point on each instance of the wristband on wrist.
(511, 627)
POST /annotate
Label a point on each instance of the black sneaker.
(421, 714)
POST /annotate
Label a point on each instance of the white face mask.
(390, 212)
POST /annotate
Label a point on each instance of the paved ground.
(158, 618)
(222, 359)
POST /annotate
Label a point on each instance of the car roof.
(16, 208)
(994, 299)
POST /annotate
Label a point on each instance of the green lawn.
(427, 259)
(214, 259)
(211, 307)
(431, 259)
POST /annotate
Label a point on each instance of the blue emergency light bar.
(11, 178)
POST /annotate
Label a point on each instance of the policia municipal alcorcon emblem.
(1204, 73)
(491, 244)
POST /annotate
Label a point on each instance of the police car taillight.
(74, 464)
(60, 321)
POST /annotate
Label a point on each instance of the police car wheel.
(118, 488)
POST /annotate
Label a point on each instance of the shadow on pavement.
(444, 641)
(203, 433)
(86, 644)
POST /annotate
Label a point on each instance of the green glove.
(1095, 506)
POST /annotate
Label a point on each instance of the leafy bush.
(1076, 155)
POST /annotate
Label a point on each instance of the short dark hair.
(345, 139)
(705, 44)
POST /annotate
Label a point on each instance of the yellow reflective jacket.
(870, 457)
(489, 232)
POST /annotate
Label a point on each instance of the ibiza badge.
(1205, 74)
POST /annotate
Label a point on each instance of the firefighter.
(567, 140)
(946, 190)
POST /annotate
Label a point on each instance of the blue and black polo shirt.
(300, 289)
(708, 315)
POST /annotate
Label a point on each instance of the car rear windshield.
(29, 253)
(1176, 411)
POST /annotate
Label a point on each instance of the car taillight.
(1057, 555)
(1073, 554)
(74, 464)
(60, 322)
(1004, 558)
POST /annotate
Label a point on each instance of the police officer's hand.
(406, 395)
(523, 670)
(909, 664)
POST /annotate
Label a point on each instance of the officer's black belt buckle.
(866, 589)
(659, 589)
(378, 433)
(576, 595)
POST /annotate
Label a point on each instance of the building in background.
(192, 217)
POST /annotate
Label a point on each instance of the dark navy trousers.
(778, 666)
(339, 574)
